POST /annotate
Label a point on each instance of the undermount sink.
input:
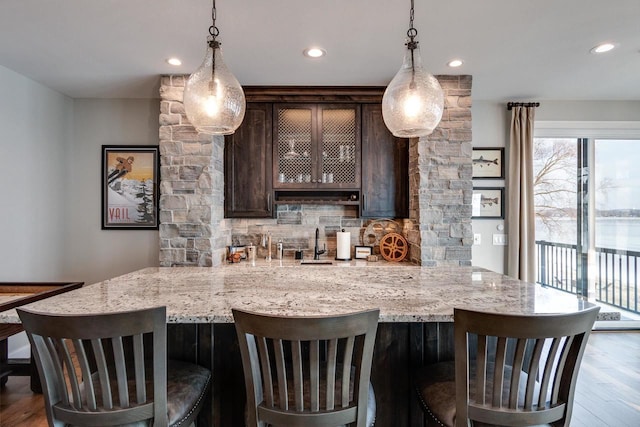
(316, 262)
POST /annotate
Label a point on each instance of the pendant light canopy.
(413, 102)
(213, 98)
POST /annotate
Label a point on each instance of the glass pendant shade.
(214, 102)
(413, 103)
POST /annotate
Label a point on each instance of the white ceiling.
(514, 49)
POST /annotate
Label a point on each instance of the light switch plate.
(500, 240)
(477, 238)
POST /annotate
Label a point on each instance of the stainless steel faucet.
(316, 250)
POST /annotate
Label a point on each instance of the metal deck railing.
(616, 273)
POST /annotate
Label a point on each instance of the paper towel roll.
(343, 244)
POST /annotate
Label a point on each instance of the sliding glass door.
(617, 222)
(587, 196)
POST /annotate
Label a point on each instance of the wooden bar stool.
(509, 370)
(308, 371)
(112, 369)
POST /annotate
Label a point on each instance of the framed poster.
(488, 163)
(130, 175)
(488, 202)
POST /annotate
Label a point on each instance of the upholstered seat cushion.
(187, 385)
(436, 388)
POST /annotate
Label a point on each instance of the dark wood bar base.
(400, 348)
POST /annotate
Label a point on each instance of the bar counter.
(403, 292)
(416, 315)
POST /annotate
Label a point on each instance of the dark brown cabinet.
(316, 146)
(248, 189)
(385, 168)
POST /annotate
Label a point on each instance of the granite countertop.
(403, 292)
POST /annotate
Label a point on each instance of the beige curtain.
(521, 257)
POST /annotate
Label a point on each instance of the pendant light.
(213, 98)
(413, 103)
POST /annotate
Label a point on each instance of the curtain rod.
(510, 105)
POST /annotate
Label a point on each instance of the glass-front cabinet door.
(316, 146)
(293, 149)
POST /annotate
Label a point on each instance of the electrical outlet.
(500, 240)
(477, 238)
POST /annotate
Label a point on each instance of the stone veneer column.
(440, 185)
(193, 231)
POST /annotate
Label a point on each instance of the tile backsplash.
(295, 225)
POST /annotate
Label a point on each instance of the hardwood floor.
(607, 395)
(19, 406)
(608, 391)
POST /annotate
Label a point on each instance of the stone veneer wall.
(440, 185)
(193, 230)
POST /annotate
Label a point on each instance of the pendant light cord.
(412, 44)
(213, 43)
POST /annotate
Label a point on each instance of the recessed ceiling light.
(174, 61)
(455, 63)
(314, 52)
(603, 47)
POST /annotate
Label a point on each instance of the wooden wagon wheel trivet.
(394, 247)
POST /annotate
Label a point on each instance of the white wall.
(36, 125)
(94, 254)
(490, 129)
(588, 111)
(491, 121)
(50, 153)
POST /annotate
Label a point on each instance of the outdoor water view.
(613, 220)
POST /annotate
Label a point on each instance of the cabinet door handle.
(364, 201)
(268, 202)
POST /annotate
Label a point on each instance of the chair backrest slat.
(282, 374)
(88, 363)
(58, 369)
(314, 375)
(265, 361)
(518, 360)
(121, 374)
(534, 369)
(562, 362)
(103, 373)
(298, 385)
(346, 373)
(315, 359)
(498, 372)
(71, 372)
(138, 360)
(481, 367)
(535, 361)
(547, 372)
(332, 355)
(85, 370)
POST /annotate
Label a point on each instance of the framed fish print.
(487, 202)
(130, 175)
(488, 163)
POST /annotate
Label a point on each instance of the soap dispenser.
(280, 249)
